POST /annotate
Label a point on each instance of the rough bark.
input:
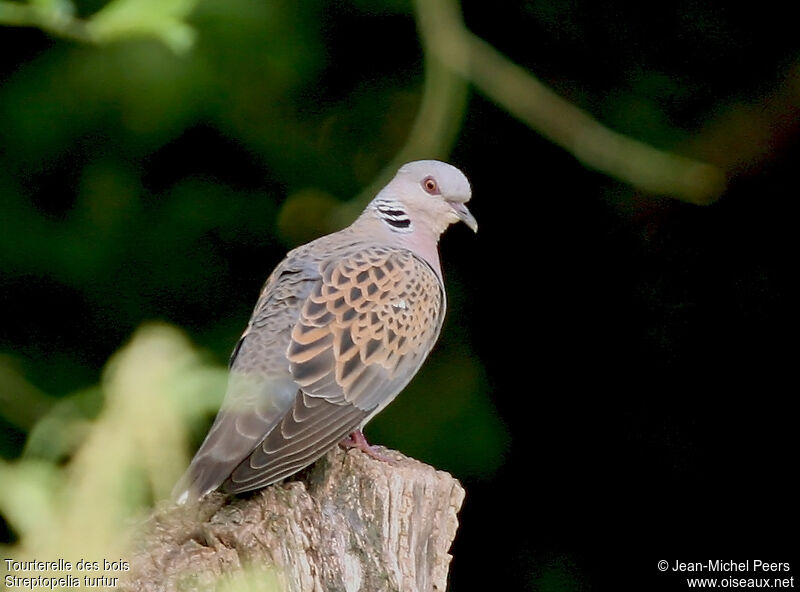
(348, 523)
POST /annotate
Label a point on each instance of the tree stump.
(347, 523)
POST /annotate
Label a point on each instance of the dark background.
(613, 384)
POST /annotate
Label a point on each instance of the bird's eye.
(430, 185)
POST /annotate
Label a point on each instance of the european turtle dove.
(342, 325)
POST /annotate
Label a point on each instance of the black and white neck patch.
(393, 214)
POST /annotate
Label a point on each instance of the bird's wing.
(364, 330)
(261, 389)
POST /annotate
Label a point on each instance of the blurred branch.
(441, 109)
(444, 100)
(532, 102)
(119, 19)
(55, 18)
(743, 137)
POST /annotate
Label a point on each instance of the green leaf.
(27, 498)
(54, 7)
(126, 19)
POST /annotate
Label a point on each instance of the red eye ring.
(430, 185)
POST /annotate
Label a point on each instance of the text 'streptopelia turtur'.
(342, 325)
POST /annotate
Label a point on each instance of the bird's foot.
(359, 441)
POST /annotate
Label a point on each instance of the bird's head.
(426, 192)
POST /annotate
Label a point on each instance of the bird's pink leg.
(358, 440)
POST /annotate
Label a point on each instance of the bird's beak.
(464, 214)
